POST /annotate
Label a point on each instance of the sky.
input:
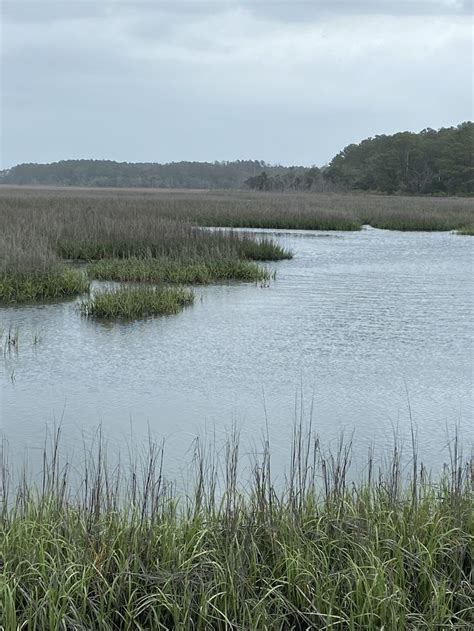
(285, 82)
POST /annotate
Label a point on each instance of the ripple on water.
(358, 322)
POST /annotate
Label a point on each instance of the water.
(371, 329)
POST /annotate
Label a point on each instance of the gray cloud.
(47, 10)
(285, 82)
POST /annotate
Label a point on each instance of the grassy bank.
(122, 551)
(136, 302)
(174, 272)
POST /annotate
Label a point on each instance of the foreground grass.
(26, 286)
(175, 272)
(136, 302)
(122, 551)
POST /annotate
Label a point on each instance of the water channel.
(371, 329)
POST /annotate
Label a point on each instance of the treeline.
(429, 162)
(426, 163)
(203, 175)
(293, 179)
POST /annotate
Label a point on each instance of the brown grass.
(326, 211)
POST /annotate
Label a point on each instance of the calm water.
(360, 324)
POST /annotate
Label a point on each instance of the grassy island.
(136, 302)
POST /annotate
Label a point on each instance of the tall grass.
(118, 549)
(29, 269)
(136, 302)
(109, 215)
(31, 286)
(174, 272)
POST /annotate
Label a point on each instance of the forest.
(431, 162)
(107, 173)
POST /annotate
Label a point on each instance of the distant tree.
(428, 162)
(260, 182)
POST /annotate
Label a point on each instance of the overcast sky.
(286, 82)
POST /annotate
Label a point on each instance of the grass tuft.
(58, 282)
(136, 302)
(176, 272)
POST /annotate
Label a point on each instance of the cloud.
(167, 81)
(25, 11)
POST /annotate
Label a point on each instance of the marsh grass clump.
(262, 250)
(136, 302)
(176, 272)
(466, 230)
(58, 282)
(30, 271)
(119, 549)
(192, 245)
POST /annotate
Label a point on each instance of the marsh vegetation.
(136, 302)
(159, 237)
(315, 211)
(126, 238)
(175, 272)
(117, 548)
(115, 545)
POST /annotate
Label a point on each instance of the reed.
(9, 339)
(177, 273)
(29, 269)
(119, 216)
(136, 302)
(122, 551)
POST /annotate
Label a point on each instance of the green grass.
(467, 230)
(26, 286)
(175, 272)
(195, 246)
(136, 302)
(124, 552)
(262, 250)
